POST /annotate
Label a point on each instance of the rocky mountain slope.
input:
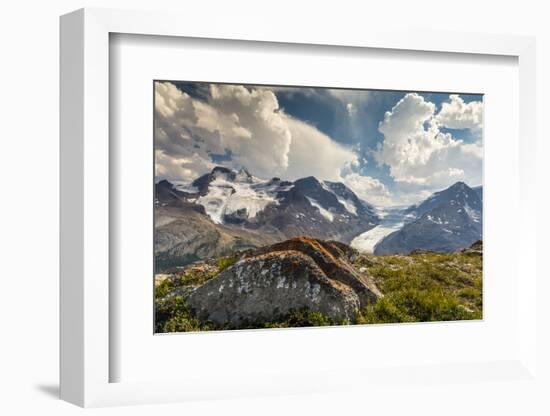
(230, 210)
(227, 209)
(447, 221)
(184, 233)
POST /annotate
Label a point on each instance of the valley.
(391, 219)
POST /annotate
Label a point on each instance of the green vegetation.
(417, 288)
(165, 261)
(172, 316)
(171, 313)
(424, 287)
(225, 262)
(302, 318)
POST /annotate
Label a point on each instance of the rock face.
(447, 221)
(475, 249)
(268, 283)
(252, 212)
(183, 236)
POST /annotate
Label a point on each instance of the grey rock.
(269, 283)
(475, 249)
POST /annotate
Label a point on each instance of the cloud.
(356, 98)
(313, 153)
(368, 189)
(418, 154)
(233, 119)
(245, 126)
(352, 110)
(180, 168)
(246, 123)
(456, 114)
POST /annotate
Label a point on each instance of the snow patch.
(246, 193)
(366, 242)
(215, 201)
(249, 199)
(325, 213)
(185, 187)
(391, 220)
(474, 214)
(434, 220)
(348, 205)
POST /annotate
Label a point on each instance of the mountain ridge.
(237, 210)
(446, 221)
(240, 204)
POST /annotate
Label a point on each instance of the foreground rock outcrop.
(268, 283)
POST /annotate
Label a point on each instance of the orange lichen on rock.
(291, 275)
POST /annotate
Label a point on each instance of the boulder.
(475, 249)
(268, 283)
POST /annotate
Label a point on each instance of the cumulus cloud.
(418, 153)
(233, 119)
(246, 123)
(313, 153)
(180, 168)
(240, 126)
(456, 114)
(368, 188)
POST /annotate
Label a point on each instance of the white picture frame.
(85, 212)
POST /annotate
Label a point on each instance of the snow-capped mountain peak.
(458, 194)
(447, 220)
(305, 206)
(224, 192)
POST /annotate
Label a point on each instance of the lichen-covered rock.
(268, 283)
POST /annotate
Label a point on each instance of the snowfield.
(391, 220)
(243, 193)
(226, 197)
(366, 242)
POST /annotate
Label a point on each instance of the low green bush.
(226, 262)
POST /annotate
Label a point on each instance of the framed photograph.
(281, 213)
(281, 207)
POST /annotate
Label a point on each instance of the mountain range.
(227, 210)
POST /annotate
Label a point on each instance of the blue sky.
(360, 129)
(390, 147)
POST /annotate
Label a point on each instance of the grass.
(417, 288)
(302, 318)
(172, 315)
(225, 262)
(171, 312)
(424, 287)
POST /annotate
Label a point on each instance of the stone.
(268, 283)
